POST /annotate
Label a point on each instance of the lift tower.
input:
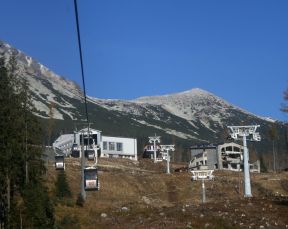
(154, 140)
(244, 132)
(166, 155)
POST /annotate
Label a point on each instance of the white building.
(109, 146)
(64, 143)
(230, 156)
(226, 156)
(119, 147)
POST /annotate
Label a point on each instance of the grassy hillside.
(141, 195)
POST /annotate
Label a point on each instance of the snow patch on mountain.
(128, 107)
(191, 105)
(197, 111)
(44, 108)
(169, 131)
(68, 113)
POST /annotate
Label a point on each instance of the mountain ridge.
(193, 114)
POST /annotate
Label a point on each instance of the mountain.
(193, 116)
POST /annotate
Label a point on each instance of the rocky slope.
(195, 115)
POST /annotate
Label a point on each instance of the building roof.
(64, 137)
(213, 145)
(85, 130)
(204, 146)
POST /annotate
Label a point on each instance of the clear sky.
(237, 50)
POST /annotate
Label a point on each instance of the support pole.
(154, 139)
(154, 150)
(96, 156)
(168, 162)
(244, 132)
(247, 182)
(83, 193)
(167, 148)
(203, 192)
(274, 157)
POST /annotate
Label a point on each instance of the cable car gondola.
(91, 181)
(90, 154)
(75, 152)
(59, 162)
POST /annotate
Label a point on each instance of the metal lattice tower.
(245, 132)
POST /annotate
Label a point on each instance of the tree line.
(24, 199)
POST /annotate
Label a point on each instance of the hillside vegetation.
(140, 195)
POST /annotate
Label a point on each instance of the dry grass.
(155, 199)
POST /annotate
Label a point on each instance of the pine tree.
(62, 186)
(21, 166)
(273, 133)
(39, 211)
(285, 106)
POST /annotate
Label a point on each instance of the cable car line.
(81, 61)
(89, 175)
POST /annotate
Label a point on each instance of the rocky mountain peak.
(192, 114)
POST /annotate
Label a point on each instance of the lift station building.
(226, 156)
(116, 147)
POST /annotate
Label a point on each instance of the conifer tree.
(62, 186)
(21, 166)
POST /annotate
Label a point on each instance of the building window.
(104, 145)
(112, 146)
(229, 148)
(119, 146)
(236, 149)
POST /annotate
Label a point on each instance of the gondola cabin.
(91, 182)
(59, 162)
(75, 152)
(90, 154)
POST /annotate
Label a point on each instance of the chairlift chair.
(59, 162)
(91, 181)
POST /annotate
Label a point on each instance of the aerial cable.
(81, 61)
(83, 193)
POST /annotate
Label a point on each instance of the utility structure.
(89, 174)
(245, 132)
(166, 155)
(154, 139)
(202, 175)
(83, 192)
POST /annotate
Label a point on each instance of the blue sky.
(237, 50)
